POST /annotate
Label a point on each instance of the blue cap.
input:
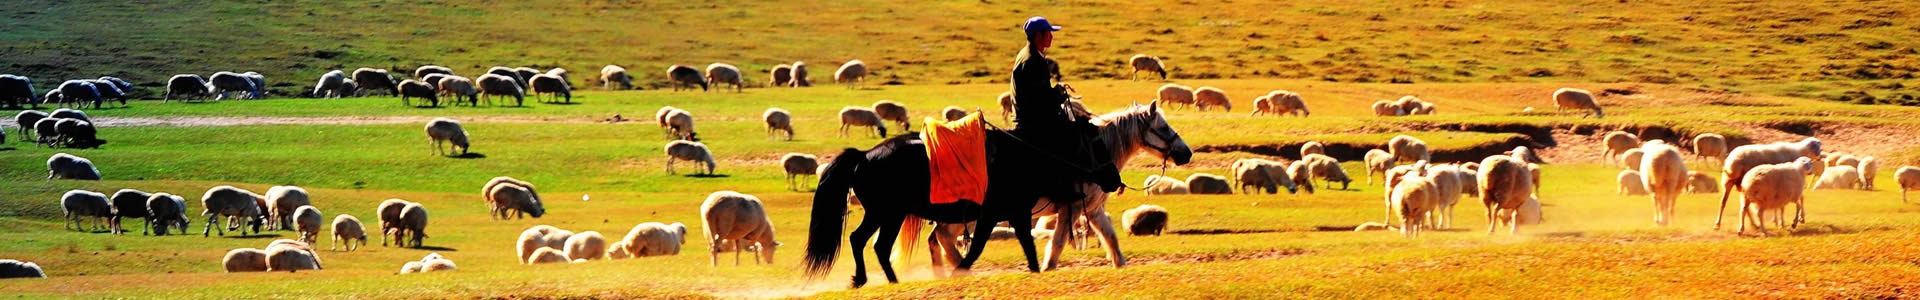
(1037, 25)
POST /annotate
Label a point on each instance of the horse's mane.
(1121, 129)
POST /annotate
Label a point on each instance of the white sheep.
(423, 71)
(413, 224)
(548, 255)
(19, 269)
(1867, 167)
(1632, 158)
(1414, 106)
(449, 131)
(1618, 142)
(232, 202)
(1909, 179)
(1143, 62)
(1147, 219)
(686, 77)
(1770, 187)
(411, 267)
(306, 222)
(1385, 108)
(1745, 158)
(1176, 95)
(1158, 185)
(1414, 198)
(1572, 98)
(892, 111)
(1505, 186)
(192, 85)
(740, 219)
(515, 198)
(1839, 177)
(718, 73)
(797, 166)
(1701, 183)
(327, 87)
(291, 259)
(1710, 146)
(853, 73)
(1281, 103)
(68, 166)
(1208, 184)
(1327, 168)
(652, 239)
(283, 201)
(780, 76)
(1448, 186)
(346, 229)
(1408, 148)
(389, 212)
(680, 123)
(1301, 173)
(1312, 147)
(1378, 161)
(587, 245)
(688, 151)
(612, 74)
(1208, 96)
(492, 85)
(1254, 175)
(1526, 154)
(800, 75)
(81, 204)
(778, 120)
(1631, 183)
(245, 260)
(534, 238)
(459, 88)
(854, 116)
(1664, 174)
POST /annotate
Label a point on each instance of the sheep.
(416, 89)
(1386, 108)
(853, 73)
(1867, 167)
(1770, 187)
(738, 218)
(65, 113)
(618, 250)
(346, 229)
(1281, 103)
(413, 224)
(19, 269)
(412, 267)
(389, 212)
(233, 202)
(525, 75)
(1618, 143)
(1529, 213)
(166, 211)
(688, 151)
(550, 84)
(1534, 169)
(1844, 160)
(686, 77)
(327, 87)
(449, 131)
(1572, 98)
(17, 91)
(1664, 174)
(437, 265)
(1839, 177)
(892, 111)
(1449, 184)
(611, 74)
(532, 240)
(1701, 183)
(513, 197)
(1710, 146)
(1526, 154)
(718, 73)
(1745, 158)
(1177, 95)
(1158, 185)
(245, 260)
(110, 90)
(852, 116)
(1251, 174)
(1504, 187)
(82, 204)
(586, 245)
(1631, 183)
(193, 85)
(128, 203)
(1312, 147)
(1006, 106)
(78, 93)
(459, 87)
(1301, 173)
(376, 79)
(283, 201)
(800, 75)
(781, 75)
(499, 208)
(68, 166)
(778, 120)
(501, 85)
(1327, 168)
(509, 73)
(798, 165)
(76, 133)
(1143, 62)
(259, 82)
(47, 132)
(562, 73)
(1408, 148)
(1414, 197)
(25, 120)
(680, 123)
(548, 255)
(1414, 106)
(423, 71)
(291, 259)
(953, 113)
(1208, 184)
(1208, 96)
(652, 239)
(1909, 179)
(1378, 161)
(1147, 219)
(1631, 159)
(1470, 175)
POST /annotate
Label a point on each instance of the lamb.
(686, 77)
(79, 92)
(283, 201)
(800, 75)
(346, 229)
(611, 74)
(1386, 108)
(492, 85)
(389, 212)
(738, 218)
(778, 120)
(1408, 148)
(68, 166)
(1378, 161)
(1572, 98)
(550, 84)
(413, 224)
(1147, 219)
(190, 85)
(166, 211)
(291, 259)
(76, 133)
(19, 269)
(548, 255)
(1208, 96)
(1770, 187)
(1281, 103)
(245, 260)
(1251, 174)
(718, 73)
(1868, 165)
(375, 79)
(1534, 169)
(1414, 197)
(892, 111)
(25, 120)
(852, 116)
(1618, 143)
(1909, 179)
(1710, 146)
(688, 151)
(1504, 186)
(1177, 95)
(459, 87)
(1745, 158)
(652, 239)
(1664, 172)
(415, 89)
(1312, 147)
(1157, 185)
(853, 73)
(1208, 184)
(446, 130)
(232, 202)
(129, 203)
(17, 91)
(1143, 62)
(680, 122)
(953, 113)
(82, 204)
(513, 196)
(798, 165)
(586, 245)
(423, 71)
(781, 75)
(1839, 177)
(1631, 183)
(1701, 183)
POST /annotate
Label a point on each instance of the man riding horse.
(1063, 146)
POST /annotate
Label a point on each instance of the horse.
(1126, 133)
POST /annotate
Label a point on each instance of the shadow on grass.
(437, 248)
(561, 103)
(469, 155)
(9, 148)
(429, 107)
(255, 236)
(706, 176)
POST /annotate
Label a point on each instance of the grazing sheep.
(79, 93)
(68, 166)
(1745, 158)
(81, 204)
(47, 132)
(1844, 160)
(515, 198)
(65, 113)
(306, 221)
(459, 87)
(376, 79)
(686, 77)
(413, 224)
(1177, 95)
(1208, 96)
(389, 212)
(449, 131)
(1408, 148)
(1281, 103)
(500, 208)
(611, 74)
(652, 239)
(414, 89)
(738, 218)
(129, 203)
(17, 91)
(800, 75)
(781, 75)
(122, 89)
(26, 119)
(525, 75)
(892, 111)
(192, 85)
(1386, 108)
(1710, 146)
(718, 73)
(1618, 143)
(548, 255)
(245, 260)
(1301, 173)
(1147, 219)
(1839, 177)
(798, 165)
(327, 87)
(660, 116)
(680, 123)
(291, 259)
(1378, 161)
(1208, 184)
(688, 151)
(1770, 187)
(1701, 183)
(1414, 198)
(778, 120)
(19, 269)
(501, 85)
(509, 73)
(1504, 186)
(1252, 174)
(853, 73)
(232, 202)
(1327, 168)
(283, 201)
(852, 116)
(550, 84)
(166, 211)
(1449, 182)
(423, 71)
(1158, 185)
(346, 229)
(1909, 179)
(433, 80)
(1414, 106)
(1631, 159)
(1867, 167)
(1572, 98)
(586, 245)
(1143, 62)
(1664, 174)
(1631, 183)
(76, 133)
(1312, 147)
(349, 89)
(107, 90)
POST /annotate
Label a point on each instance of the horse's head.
(1156, 135)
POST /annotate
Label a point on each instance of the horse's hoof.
(962, 273)
(859, 281)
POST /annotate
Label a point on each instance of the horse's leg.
(1062, 224)
(982, 230)
(1023, 231)
(883, 249)
(1104, 228)
(859, 239)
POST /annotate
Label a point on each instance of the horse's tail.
(830, 213)
(903, 249)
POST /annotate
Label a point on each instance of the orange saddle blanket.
(956, 159)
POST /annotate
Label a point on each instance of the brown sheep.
(778, 120)
(680, 123)
(1710, 146)
(1618, 142)
(1408, 148)
(549, 84)
(346, 229)
(389, 212)
(892, 111)
(1909, 179)
(416, 89)
(853, 73)
(1208, 96)
(498, 209)
(718, 73)
(413, 224)
(1177, 95)
(245, 260)
(1208, 184)
(1572, 98)
(781, 75)
(1378, 161)
(1143, 62)
(798, 165)
(800, 75)
(492, 85)
(1504, 186)
(685, 77)
(459, 88)
(1147, 219)
(1006, 106)
(1281, 103)
(953, 113)
(853, 116)
(611, 74)
(1253, 175)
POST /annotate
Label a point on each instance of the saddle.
(956, 160)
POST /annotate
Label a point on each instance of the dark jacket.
(1036, 98)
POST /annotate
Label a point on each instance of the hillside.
(1816, 49)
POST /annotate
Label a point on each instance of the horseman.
(1067, 151)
